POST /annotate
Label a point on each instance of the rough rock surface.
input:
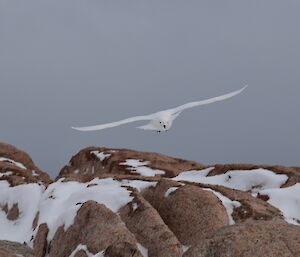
(149, 228)
(96, 227)
(252, 208)
(259, 239)
(86, 165)
(187, 210)
(17, 167)
(123, 249)
(167, 219)
(12, 249)
(40, 241)
(81, 253)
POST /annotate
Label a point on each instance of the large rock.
(40, 241)
(96, 227)
(149, 228)
(187, 210)
(12, 249)
(258, 238)
(86, 165)
(17, 167)
(251, 208)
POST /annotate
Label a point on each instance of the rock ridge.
(121, 203)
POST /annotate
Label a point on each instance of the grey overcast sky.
(75, 63)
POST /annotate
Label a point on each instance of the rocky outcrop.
(144, 210)
(94, 162)
(187, 210)
(40, 241)
(17, 167)
(251, 208)
(96, 227)
(13, 249)
(149, 228)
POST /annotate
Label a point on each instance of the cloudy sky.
(76, 63)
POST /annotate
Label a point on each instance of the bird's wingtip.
(245, 87)
(242, 89)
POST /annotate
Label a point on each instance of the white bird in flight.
(162, 120)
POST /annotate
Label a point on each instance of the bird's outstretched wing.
(207, 101)
(113, 124)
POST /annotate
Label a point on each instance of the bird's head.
(164, 122)
(164, 125)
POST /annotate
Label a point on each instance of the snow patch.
(139, 185)
(18, 164)
(136, 166)
(33, 172)
(58, 204)
(85, 249)
(262, 181)
(101, 155)
(170, 190)
(185, 248)
(244, 180)
(100, 254)
(8, 173)
(27, 197)
(287, 200)
(227, 203)
(61, 200)
(135, 206)
(143, 250)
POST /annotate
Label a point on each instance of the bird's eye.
(160, 122)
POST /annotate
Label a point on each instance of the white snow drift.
(17, 164)
(264, 182)
(244, 180)
(58, 204)
(136, 166)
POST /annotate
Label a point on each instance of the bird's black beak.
(164, 126)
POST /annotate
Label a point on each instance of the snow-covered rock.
(287, 200)
(96, 228)
(141, 168)
(188, 210)
(118, 202)
(93, 162)
(146, 223)
(245, 180)
(16, 167)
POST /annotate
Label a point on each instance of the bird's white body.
(162, 120)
